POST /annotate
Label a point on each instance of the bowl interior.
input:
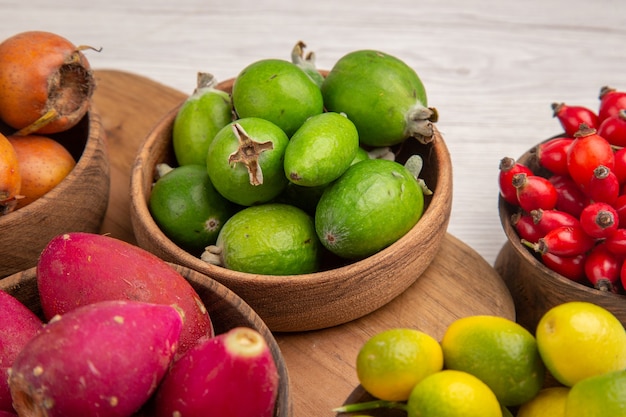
(78, 203)
(225, 308)
(343, 290)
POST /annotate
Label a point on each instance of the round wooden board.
(458, 283)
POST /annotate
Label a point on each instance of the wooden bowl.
(534, 287)
(225, 308)
(317, 300)
(78, 203)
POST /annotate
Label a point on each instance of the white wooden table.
(491, 67)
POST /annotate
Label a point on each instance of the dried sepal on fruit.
(46, 82)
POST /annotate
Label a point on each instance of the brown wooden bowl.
(534, 287)
(226, 309)
(78, 203)
(317, 300)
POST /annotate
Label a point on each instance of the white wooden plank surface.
(491, 67)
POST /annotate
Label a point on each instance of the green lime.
(382, 95)
(598, 336)
(601, 395)
(392, 362)
(372, 204)
(452, 393)
(278, 91)
(198, 120)
(269, 239)
(245, 161)
(321, 150)
(188, 209)
(498, 351)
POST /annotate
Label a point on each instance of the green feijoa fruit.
(361, 155)
(305, 198)
(321, 149)
(188, 209)
(373, 204)
(278, 91)
(198, 120)
(245, 161)
(382, 95)
(269, 239)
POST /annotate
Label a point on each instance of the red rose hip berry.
(599, 220)
(534, 192)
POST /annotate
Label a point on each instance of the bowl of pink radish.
(127, 334)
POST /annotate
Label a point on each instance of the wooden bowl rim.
(94, 144)
(506, 211)
(437, 211)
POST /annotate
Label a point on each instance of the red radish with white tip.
(17, 326)
(77, 269)
(232, 374)
(100, 360)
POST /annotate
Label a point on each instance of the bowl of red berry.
(562, 206)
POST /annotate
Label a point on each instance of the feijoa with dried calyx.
(245, 161)
(382, 95)
(321, 149)
(269, 239)
(372, 204)
(200, 117)
(278, 91)
(188, 209)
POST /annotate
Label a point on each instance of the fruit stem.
(307, 64)
(370, 405)
(44, 120)
(205, 81)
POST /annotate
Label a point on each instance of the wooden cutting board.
(458, 283)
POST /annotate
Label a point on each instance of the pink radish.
(232, 374)
(100, 360)
(17, 326)
(76, 269)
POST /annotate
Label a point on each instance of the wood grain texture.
(491, 67)
(83, 192)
